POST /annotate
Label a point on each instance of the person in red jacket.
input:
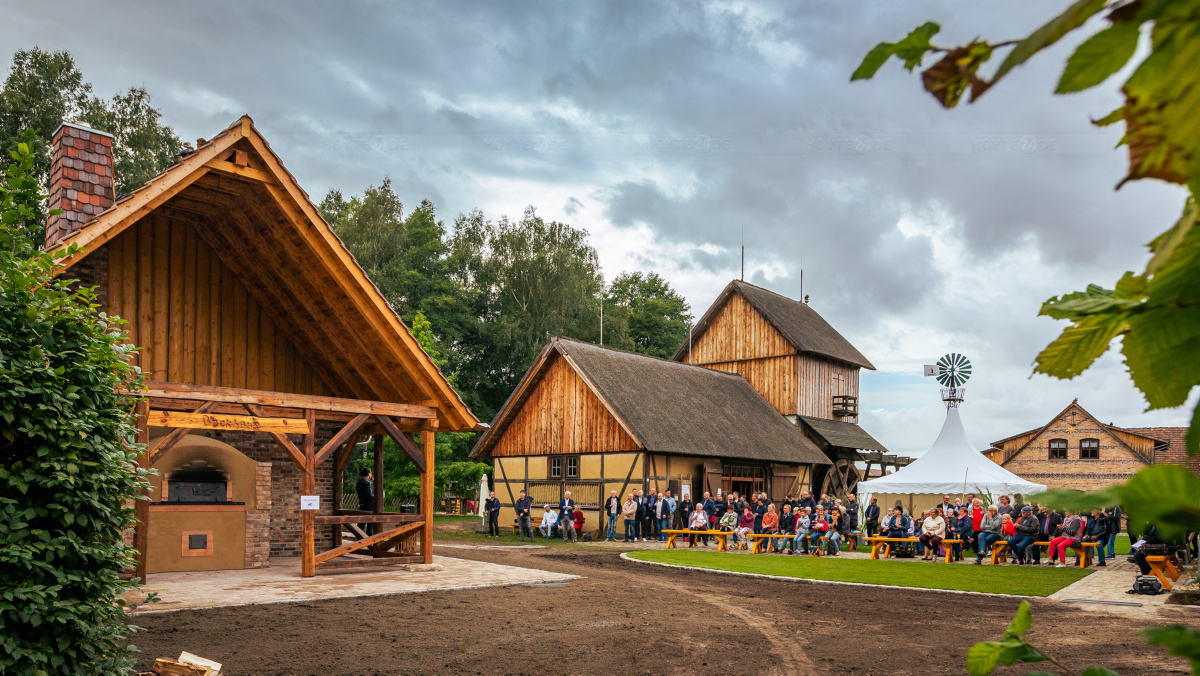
(976, 519)
(578, 519)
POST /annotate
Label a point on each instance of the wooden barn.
(591, 419)
(801, 365)
(267, 353)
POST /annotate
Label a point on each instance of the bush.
(67, 472)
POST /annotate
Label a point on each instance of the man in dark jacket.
(612, 510)
(643, 513)
(852, 512)
(524, 518)
(366, 497)
(491, 507)
(651, 524)
(1027, 526)
(806, 500)
(872, 515)
(1114, 529)
(1097, 531)
(566, 516)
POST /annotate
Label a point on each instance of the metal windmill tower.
(951, 371)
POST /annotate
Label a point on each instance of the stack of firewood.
(187, 665)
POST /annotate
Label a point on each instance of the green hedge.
(67, 477)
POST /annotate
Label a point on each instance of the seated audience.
(1026, 529)
(989, 533)
(745, 526)
(1071, 531)
(549, 523)
(699, 522)
(933, 531)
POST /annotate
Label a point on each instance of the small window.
(1089, 449)
(1058, 449)
(573, 467)
(555, 468)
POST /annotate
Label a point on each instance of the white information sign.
(310, 502)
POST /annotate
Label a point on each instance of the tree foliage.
(67, 461)
(656, 315)
(1155, 312)
(45, 88)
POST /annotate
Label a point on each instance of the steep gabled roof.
(799, 324)
(250, 210)
(670, 407)
(1074, 404)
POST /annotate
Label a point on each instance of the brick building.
(1075, 450)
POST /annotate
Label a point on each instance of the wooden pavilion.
(268, 355)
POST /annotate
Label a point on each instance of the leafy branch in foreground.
(1158, 311)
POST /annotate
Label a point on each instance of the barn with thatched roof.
(592, 419)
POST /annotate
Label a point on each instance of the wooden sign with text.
(239, 423)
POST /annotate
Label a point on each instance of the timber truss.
(188, 407)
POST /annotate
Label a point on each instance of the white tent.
(951, 467)
(483, 496)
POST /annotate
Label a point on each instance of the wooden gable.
(558, 413)
(194, 318)
(243, 207)
(1075, 424)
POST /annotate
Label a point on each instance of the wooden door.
(712, 478)
(785, 481)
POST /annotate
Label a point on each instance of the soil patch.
(624, 617)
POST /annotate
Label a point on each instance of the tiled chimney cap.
(79, 125)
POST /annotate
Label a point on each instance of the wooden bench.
(885, 544)
(1000, 551)
(760, 540)
(722, 537)
(1165, 568)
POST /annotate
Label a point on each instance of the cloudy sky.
(671, 131)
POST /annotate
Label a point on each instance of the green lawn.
(1023, 580)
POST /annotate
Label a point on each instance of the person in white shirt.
(549, 519)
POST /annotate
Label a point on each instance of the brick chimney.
(81, 179)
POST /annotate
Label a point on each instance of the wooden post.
(427, 445)
(308, 545)
(379, 474)
(141, 528)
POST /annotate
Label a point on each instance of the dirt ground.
(625, 618)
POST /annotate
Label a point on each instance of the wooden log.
(333, 519)
(308, 487)
(212, 421)
(266, 398)
(410, 449)
(341, 438)
(342, 563)
(141, 529)
(176, 435)
(367, 542)
(427, 442)
(296, 454)
(379, 496)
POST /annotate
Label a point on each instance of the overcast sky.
(671, 131)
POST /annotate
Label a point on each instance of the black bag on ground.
(1146, 584)
(1154, 549)
(587, 537)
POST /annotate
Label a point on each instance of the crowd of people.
(977, 529)
(968, 525)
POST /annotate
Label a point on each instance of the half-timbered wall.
(1115, 464)
(562, 416)
(193, 319)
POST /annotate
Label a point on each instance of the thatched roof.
(800, 325)
(675, 408)
(839, 433)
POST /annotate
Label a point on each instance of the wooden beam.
(341, 438)
(241, 172)
(235, 395)
(365, 517)
(141, 528)
(241, 423)
(379, 497)
(344, 457)
(398, 560)
(175, 436)
(282, 440)
(308, 486)
(374, 539)
(410, 449)
(427, 443)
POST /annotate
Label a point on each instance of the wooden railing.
(845, 405)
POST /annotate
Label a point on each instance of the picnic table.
(884, 544)
(1164, 567)
(1000, 551)
(722, 537)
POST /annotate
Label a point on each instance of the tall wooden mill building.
(764, 397)
(267, 353)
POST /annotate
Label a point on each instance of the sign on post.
(310, 502)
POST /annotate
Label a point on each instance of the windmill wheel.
(841, 480)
